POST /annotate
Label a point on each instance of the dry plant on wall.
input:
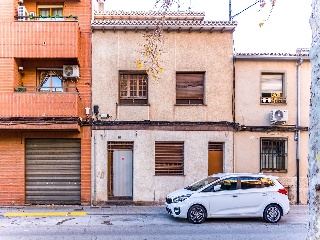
(153, 46)
(262, 4)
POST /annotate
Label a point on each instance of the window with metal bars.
(169, 158)
(133, 89)
(190, 88)
(273, 154)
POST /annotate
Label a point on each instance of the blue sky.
(286, 29)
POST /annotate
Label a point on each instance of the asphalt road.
(150, 226)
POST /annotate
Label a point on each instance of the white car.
(230, 195)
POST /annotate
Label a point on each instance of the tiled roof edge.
(166, 22)
(271, 55)
(148, 13)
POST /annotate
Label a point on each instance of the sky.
(286, 29)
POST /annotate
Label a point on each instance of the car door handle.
(264, 194)
(234, 195)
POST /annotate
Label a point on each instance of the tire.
(272, 213)
(197, 214)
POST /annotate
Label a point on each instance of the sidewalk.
(58, 210)
(52, 210)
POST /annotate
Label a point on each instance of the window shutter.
(271, 83)
(189, 85)
(169, 158)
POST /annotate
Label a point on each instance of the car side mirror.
(217, 187)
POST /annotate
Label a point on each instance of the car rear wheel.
(197, 214)
(272, 213)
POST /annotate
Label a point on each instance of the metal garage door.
(53, 173)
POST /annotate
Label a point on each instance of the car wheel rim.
(273, 214)
(197, 214)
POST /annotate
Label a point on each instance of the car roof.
(220, 175)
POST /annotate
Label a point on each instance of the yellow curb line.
(44, 214)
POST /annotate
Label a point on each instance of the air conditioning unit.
(70, 71)
(278, 116)
(22, 13)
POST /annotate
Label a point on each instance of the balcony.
(273, 100)
(39, 110)
(46, 38)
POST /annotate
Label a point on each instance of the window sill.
(197, 105)
(280, 103)
(274, 171)
(170, 175)
(132, 105)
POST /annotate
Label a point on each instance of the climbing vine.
(262, 5)
(153, 45)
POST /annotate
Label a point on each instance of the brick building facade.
(45, 79)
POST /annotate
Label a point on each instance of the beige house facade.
(272, 93)
(151, 136)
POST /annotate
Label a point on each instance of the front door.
(122, 173)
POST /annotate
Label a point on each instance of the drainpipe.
(233, 108)
(94, 169)
(297, 133)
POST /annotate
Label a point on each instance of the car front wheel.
(272, 213)
(197, 214)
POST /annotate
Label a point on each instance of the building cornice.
(172, 21)
(271, 56)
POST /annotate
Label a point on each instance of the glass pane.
(228, 184)
(271, 83)
(123, 86)
(46, 85)
(56, 84)
(57, 12)
(44, 12)
(251, 182)
(133, 87)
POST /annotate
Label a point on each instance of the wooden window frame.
(273, 154)
(47, 74)
(50, 7)
(273, 97)
(169, 158)
(190, 88)
(133, 94)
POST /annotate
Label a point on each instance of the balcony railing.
(272, 100)
(41, 38)
(39, 104)
(46, 18)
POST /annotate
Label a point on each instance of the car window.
(223, 185)
(200, 184)
(267, 182)
(251, 182)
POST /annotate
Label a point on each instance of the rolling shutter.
(53, 171)
(189, 88)
(169, 158)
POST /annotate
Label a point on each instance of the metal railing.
(270, 100)
(39, 89)
(46, 18)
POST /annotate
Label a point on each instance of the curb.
(43, 214)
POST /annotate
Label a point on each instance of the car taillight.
(283, 191)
